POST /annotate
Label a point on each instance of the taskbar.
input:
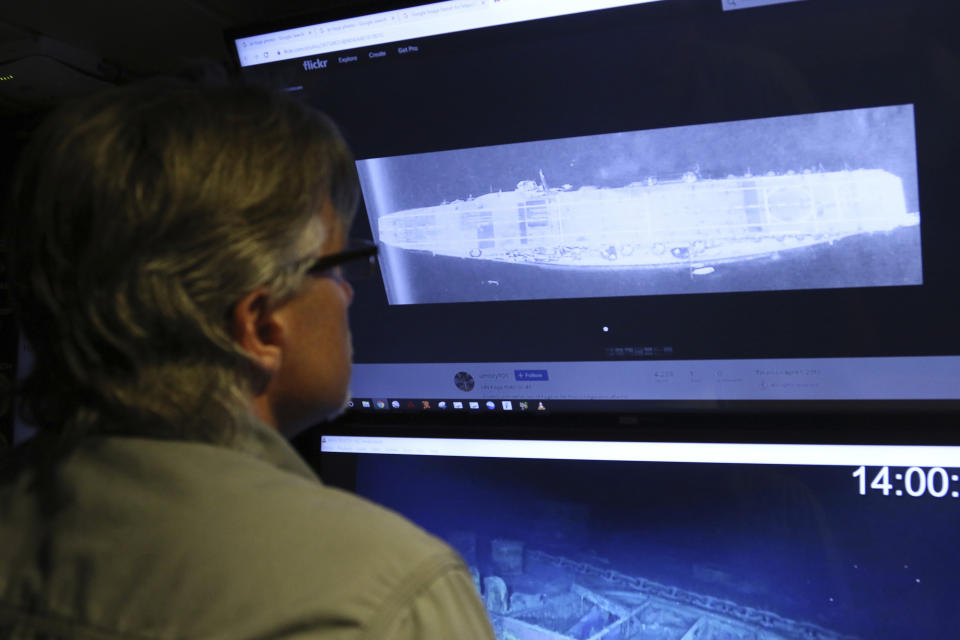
(421, 405)
(627, 407)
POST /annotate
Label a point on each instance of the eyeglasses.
(358, 260)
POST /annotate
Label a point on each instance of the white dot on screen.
(606, 329)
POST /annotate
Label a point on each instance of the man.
(176, 260)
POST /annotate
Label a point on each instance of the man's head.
(160, 253)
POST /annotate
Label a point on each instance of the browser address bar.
(405, 24)
(418, 22)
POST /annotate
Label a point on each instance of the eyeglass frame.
(332, 265)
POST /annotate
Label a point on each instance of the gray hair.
(140, 217)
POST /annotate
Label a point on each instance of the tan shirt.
(142, 538)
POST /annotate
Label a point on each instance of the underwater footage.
(573, 550)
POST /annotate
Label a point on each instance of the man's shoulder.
(225, 538)
(225, 492)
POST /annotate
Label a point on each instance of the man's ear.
(257, 329)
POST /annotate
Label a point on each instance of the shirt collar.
(267, 444)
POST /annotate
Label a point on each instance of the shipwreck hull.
(654, 224)
(599, 603)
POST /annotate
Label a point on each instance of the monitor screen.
(573, 540)
(641, 206)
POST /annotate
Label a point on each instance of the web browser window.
(631, 206)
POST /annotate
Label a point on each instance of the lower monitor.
(677, 540)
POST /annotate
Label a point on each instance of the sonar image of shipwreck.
(543, 596)
(654, 223)
(808, 201)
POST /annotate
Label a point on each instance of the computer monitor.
(569, 540)
(641, 207)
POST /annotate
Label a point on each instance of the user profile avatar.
(464, 381)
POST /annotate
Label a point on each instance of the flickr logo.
(309, 65)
